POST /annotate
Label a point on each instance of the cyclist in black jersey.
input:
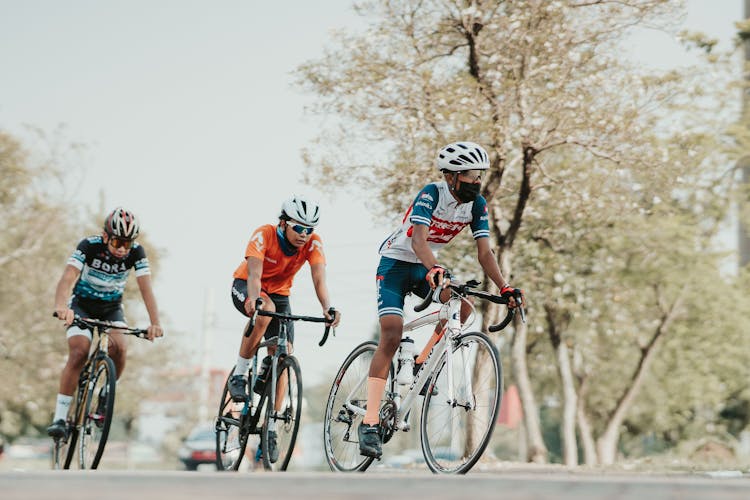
(96, 274)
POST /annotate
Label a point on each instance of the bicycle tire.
(287, 419)
(340, 424)
(97, 415)
(63, 449)
(75, 417)
(231, 433)
(453, 435)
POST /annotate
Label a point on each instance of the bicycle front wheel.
(97, 415)
(345, 408)
(457, 425)
(279, 432)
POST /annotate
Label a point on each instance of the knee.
(117, 349)
(390, 338)
(77, 357)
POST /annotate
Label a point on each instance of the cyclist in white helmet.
(409, 264)
(273, 256)
(96, 274)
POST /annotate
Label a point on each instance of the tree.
(33, 247)
(39, 232)
(535, 82)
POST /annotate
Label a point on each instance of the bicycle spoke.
(97, 416)
(282, 423)
(349, 391)
(457, 426)
(231, 440)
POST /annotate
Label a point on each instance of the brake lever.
(258, 303)
(328, 328)
(518, 296)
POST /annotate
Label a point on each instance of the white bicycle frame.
(451, 310)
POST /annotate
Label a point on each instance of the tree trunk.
(570, 400)
(607, 442)
(556, 323)
(537, 451)
(590, 456)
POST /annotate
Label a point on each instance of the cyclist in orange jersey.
(273, 257)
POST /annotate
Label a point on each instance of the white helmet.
(302, 210)
(460, 156)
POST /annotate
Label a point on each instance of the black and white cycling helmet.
(302, 210)
(460, 156)
(121, 223)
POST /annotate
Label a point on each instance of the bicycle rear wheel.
(281, 426)
(231, 436)
(340, 425)
(63, 449)
(97, 413)
(456, 428)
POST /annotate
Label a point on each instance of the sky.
(190, 119)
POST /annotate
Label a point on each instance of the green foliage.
(34, 245)
(607, 188)
(40, 230)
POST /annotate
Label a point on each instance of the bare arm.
(420, 246)
(147, 292)
(318, 272)
(62, 293)
(254, 272)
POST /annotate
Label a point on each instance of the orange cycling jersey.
(278, 268)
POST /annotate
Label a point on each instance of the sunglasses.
(300, 229)
(472, 175)
(121, 243)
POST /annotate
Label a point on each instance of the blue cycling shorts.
(396, 279)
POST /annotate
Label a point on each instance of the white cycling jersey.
(436, 207)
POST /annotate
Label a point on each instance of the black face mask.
(467, 192)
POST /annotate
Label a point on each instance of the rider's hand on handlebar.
(154, 331)
(436, 276)
(336, 317)
(509, 292)
(250, 305)
(65, 314)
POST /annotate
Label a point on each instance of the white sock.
(242, 367)
(62, 407)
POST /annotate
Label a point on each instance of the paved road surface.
(145, 485)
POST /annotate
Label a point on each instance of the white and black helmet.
(122, 223)
(460, 156)
(302, 210)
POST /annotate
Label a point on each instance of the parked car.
(198, 448)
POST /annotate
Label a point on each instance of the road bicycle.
(90, 415)
(274, 410)
(461, 381)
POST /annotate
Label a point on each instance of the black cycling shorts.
(97, 309)
(239, 295)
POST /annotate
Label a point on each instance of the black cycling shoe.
(423, 391)
(58, 429)
(273, 450)
(237, 388)
(370, 440)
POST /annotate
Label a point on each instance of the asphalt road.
(143, 485)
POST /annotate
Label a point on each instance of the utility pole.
(744, 225)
